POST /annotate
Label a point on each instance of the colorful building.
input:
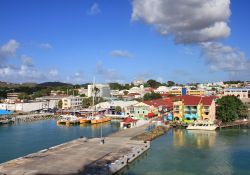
(185, 91)
(150, 108)
(140, 110)
(189, 108)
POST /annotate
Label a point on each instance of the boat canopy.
(5, 112)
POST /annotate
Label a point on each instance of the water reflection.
(194, 138)
(21, 139)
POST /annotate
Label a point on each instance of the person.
(102, 140)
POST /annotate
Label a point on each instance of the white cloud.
(22, 71)
(94, 9)
(188, 21)
(108, 75)
(220, 57)
(53, 72)
(7, 50)
(27, 61)
(77, 77)
(46, 46)
(121, 53)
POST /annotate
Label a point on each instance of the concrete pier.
(81, 156)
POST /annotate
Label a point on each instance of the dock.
(239, 123)
(82, 156)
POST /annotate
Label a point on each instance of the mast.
(93, 97)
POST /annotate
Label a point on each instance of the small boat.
(208, 126)
(85, 120)
(100, 119)
(68, 119)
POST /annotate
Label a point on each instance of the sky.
(121, 41)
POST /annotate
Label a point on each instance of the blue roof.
(5, 112)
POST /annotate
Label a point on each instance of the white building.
(83, 91)
(71, 102)
(28, 107)
(162, 90)
(138, 82)
(238, 92)
(104, 90)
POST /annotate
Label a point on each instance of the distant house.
(71, 102)
(241, 93)
(187, 108)
(150, 108)
(140, 110)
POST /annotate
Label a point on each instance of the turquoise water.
(182, 152)
(22, 139)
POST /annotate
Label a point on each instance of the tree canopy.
(230, 108)
(118, 109)
(153, 83)
(151, 96)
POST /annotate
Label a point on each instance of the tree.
(153, 83)
(96, 91)
(86, 102)
(151, 96)
(125, 92)
(60, 103)
(82, 95)
(23, 96)
(118, 109)
(230, 108)
(170, 83)
(115, 86)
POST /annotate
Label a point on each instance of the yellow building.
(194, 108)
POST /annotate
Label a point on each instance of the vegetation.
(60, 103)
(170, 83)
(23, 96)
(117, 86)
(151, 96)
(86, 102)
(118, 109)
(233, 82)
(230, 108)
(152, 83)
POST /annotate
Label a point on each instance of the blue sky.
(74, 40)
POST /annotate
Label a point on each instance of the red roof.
(167, 102)
(195, 100)
(207, 100)
(129, 120)
(150, 115)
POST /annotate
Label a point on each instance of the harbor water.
(21, 139)
(183, 152)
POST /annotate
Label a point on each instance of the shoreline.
(117, 151)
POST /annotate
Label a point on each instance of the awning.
(5, 112)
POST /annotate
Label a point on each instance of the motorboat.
(68, 119)
(206, 125)
(99, 119)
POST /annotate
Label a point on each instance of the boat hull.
(206, 128)
(100, 120)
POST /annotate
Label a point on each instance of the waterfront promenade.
(75, 157)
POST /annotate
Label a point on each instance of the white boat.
(68, 119)
(208, 126)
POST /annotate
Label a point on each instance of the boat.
(68, 119)
(6, 120)
(100, 119)
(85, 120)
(208, 126)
